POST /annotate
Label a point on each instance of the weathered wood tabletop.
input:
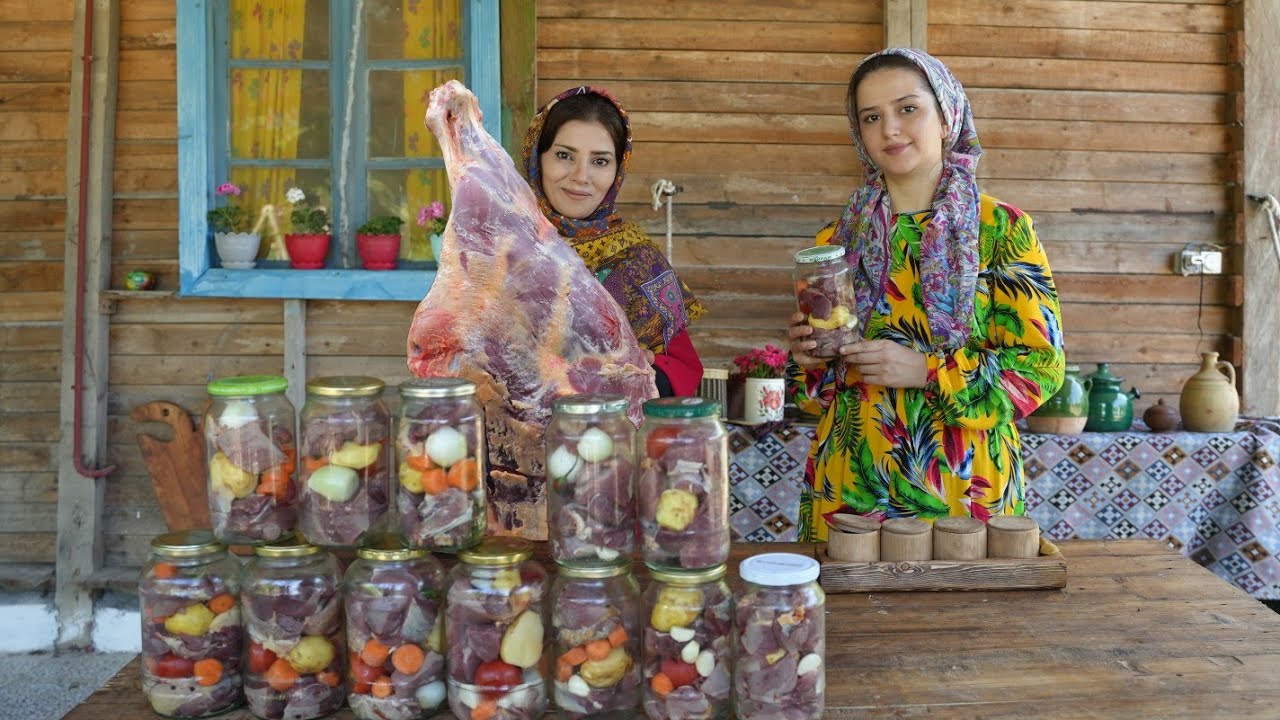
(1139, 632)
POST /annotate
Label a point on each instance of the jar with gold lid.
(594, 621)
(688, 644)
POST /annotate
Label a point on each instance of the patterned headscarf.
(949, 248)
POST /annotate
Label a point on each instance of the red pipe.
(81, 212)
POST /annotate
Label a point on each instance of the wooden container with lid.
(853, 538)
(959, 538)
(905, 540)
(1013, 536)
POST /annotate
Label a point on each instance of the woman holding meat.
(575, 155)
(961, 329)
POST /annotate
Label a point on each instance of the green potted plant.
(237, 249)
(308, 244)
(378, 242)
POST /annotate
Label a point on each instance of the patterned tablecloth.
(1214, 497)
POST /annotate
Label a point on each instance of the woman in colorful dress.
(575, 154)
(959, 317)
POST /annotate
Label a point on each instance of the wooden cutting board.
(176, 465)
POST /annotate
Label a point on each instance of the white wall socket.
(1199, 262)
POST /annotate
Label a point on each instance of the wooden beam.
(897, 23)
(1261, 156)
(295, 351)
(519, 72)
(80, 499)
(920, 24)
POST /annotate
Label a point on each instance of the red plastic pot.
(307, 251)
(378, 252)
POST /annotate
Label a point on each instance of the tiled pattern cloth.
(1213, 497)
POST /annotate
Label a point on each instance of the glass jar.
(597, 641)
(824, 293)
(440, 443)
(780, 646)
(590, 467)
(394, 602)
(687, 644)
(249, 441)
(189, 595)
(346, 461)
(495, 618)
(296, 657)
(684, 484)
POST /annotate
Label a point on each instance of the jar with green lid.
(442, 460)
(595, 625)
(252, 458)
(824, 293)
(296, 658)
(688, 644)
(684, 484)
(590, 470)
(347, 459)
(495, 620)
(394, 601)
(192, 641)
(780, 638)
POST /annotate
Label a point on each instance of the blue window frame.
(203, 155)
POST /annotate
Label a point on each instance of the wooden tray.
(1047, 572)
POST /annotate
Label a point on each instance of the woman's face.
(579, 168)
(899, 122)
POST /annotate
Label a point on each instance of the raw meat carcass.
(514, 309)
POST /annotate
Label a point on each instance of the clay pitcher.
(1209, 401)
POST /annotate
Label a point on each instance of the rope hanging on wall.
(664, 189)
(1271, 206)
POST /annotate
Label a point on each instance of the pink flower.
(437, 209)
(423, 217)
(228, 189)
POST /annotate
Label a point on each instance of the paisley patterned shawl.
(949, 248)
(623, 257)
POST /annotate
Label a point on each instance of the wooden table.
(1139, 632)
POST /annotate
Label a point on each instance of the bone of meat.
(514, 309)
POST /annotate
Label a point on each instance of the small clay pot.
(1161, 417)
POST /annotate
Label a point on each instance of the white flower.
(295, 195)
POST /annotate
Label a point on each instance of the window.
(327, 96)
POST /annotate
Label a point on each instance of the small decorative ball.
(140, 280)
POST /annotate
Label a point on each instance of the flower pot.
(237, 251)
(437, 241)
(307, 251)
(763, 400)
(378, 252)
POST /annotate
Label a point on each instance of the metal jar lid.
(672, 576)
(820, 253)
(437, 387)
(187, 543)
(497, 551)
(345, 386)
(389, 548)
(681, 407)
(289, 547)
(588, 404)
(245, 385)
(619, 566)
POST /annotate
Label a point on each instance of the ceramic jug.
(1110, 408)
(1067, 411)
(1209, 401)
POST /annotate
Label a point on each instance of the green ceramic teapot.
(1110, 408)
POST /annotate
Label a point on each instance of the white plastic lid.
(778, 569)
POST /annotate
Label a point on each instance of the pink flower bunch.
(767, 362)
(432, 217)
(227, 188)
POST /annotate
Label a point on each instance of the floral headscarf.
(949, 248)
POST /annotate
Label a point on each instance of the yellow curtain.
(266, 105)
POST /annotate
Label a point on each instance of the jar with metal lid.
(824, 293)
(347, 459)
(590, 470)
(189, 596)
(394, 601)
(441, 448)
(688, 644)
(252, 459)
(780, 631)
(595, 625)
(684, 484)
(296, 658)
(495, 620)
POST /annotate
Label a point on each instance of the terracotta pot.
(307, 251)
(1209, 401)
(378, 252)
(1161, 417)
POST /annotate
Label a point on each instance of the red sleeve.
(680, 363)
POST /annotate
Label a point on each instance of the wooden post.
(80, 499)
(295, 351)
(1261, 160)
(906, 23)
(519, 72)
(920, 24)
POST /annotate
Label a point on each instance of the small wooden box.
(1047, 572)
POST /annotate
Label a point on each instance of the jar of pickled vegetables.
(688, 644)
(595, 616)
(347, 459)
(296, 658)
(249, 441)
(495, 620)
(590, 475)
(394, 601)
(780, 638)
(824, 293)
(441, 448)
(684, 484)
(192, 641)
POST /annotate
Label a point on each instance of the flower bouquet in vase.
(308, 244)
(763, 373)
(378, 242)
(237, 249)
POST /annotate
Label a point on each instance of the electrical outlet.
(1199, 262)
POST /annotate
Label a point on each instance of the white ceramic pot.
(237, 251)
(436, 242)
(763, 400)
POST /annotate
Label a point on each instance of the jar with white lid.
(824, 293)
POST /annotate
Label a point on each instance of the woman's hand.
(801, 345)
(885, 362)
(648, 355)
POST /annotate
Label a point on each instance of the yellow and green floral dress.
(949, 448)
